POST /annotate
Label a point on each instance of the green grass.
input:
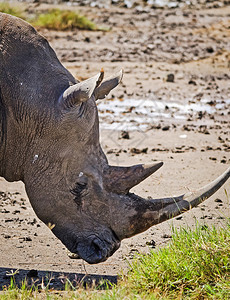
(57, 19)
(195, 265)
(11, 10)
(54, 19)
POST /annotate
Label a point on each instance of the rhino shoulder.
(28, 64)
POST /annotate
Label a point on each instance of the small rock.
(87, 39)
(27, 239)
(138, 151)
(134, 250)
(33, 222)
(152, 243)
(6, 236)
(218, 200)
(165, 128)
(166, 236)
(158, 126)
(125, 135)
(209, 49)
(5, 211)
(209, 148)
(223, 161)
(170, 77)
(192, 82)
(200, 116)
(186, 128)
(144, 150)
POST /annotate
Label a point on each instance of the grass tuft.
(196, 264)
(11, 10)
(57, 19)
(54, 19)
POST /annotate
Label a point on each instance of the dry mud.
(173, 105)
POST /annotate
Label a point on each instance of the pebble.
(151, 243)
(125, 135)
(218, 200)
(165, 128)
(170, 77)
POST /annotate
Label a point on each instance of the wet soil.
(172, 57)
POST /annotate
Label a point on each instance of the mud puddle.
(131, 114)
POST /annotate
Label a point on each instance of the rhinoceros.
(49, 139)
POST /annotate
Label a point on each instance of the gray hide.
(49, 139)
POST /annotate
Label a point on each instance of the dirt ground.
(177, 58)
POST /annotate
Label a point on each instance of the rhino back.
(29, 68)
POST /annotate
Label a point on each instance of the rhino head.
(50, 141)
(85, 200)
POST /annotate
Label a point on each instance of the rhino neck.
(11, 154)
(19, 126)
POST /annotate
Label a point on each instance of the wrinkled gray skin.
(49, 139)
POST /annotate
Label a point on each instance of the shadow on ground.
(53, 280)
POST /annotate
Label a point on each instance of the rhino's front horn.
(171, 207)
(80, 92)
(122, 179)
(140, 214)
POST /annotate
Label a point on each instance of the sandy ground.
(149, 44)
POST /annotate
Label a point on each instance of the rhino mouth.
(95, 249)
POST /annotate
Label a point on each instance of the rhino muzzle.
(95, 249)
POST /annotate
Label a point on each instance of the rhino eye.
(78, 191)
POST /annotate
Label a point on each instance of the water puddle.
(132, 114)
(163, 3)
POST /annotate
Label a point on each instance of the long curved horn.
(121, 179)
(137, 214)
(172, 207)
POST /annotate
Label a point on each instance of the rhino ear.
(109, 84)
(80, 92)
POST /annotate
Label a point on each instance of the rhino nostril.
(96, 246)
(99, 248)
